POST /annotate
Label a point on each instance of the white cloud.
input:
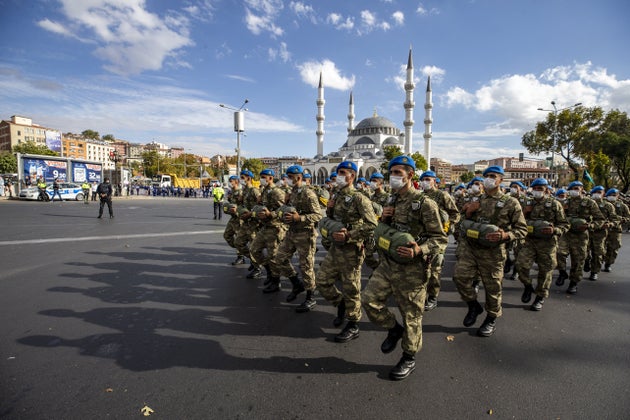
(331, 75)
(400, 78)
(338, 21)
(241, 78)
(423, 11)
(370, 21)
(303, 11)
(436, 73)
(267, 11)
(399, 17)
(281, 52)
(55, 27)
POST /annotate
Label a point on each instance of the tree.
(30, 147)
(391, 152)
(613, 140)
(566, 134)
(254, 165)
(467, 177)
(109, 137)
(91, 134)
(8, 163)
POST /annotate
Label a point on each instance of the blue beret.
(438, 180)
(428, 174)
(561, 191)
(538, 182)
(268, 172)
(612, 191)
(283, 176)
(575, 184)
(333, 174)
(597, 188)
(233, 177)
(247, 173)
(307, 175)
(494, 169)
(328, 180)
(402, 160)
(377, 175)
(362, 179)
(520, 184)
(347, 165)
(295, 169)
(459, 187)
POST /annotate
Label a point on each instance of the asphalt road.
(101, 318)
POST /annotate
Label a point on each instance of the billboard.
(49, 169)
(53, 140)
(89, 172)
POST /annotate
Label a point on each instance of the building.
(457, 171)
(20, 130)
(162, 149)
(517, 163)
(73, 146)
(443, 169)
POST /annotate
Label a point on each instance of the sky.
(157, 70)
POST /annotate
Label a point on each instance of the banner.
(82, 172)
(49, 169)
(53, 140)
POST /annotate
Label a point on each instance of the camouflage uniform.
(272, 230)
(515, 245)
(613, 241)
(445, 203)
(541, 251)
(235, 196)
(344, 259)
(473, 260)
(380, 198)
(576, 242)
(406, 282)
(247, 232)
(597, 236)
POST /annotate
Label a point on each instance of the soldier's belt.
(476, 232)
(535, 228)
(388, 239)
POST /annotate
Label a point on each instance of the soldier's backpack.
(535, 227)
(577, 224)
(285, 209)
(476, 232)
(388, 239)
(328, 226)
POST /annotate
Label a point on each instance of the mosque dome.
(391, 141)
(375, 122)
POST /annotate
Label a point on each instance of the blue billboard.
(89, 172)
(35, 168)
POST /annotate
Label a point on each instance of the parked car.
(68, 191)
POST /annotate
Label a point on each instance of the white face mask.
(263, 182)
(574, 193)
(396, 182)
(289, 182)
(611, 198)
(373, 185)
(596, 196)
(341, 181)
(243, 182)
(561, 199)
(538, 194)
(457, 193)
(513, 191)
(427, 185)
(489, 183)
(475, 189)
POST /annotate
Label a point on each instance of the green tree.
(109, 137)
(390, 152)
(8, 163)
(613, 140)
(467, 177)
(566, 134)
(30, 147)
(91, 134)
(421, 162)
(254, 165)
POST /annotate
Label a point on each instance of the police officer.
(546, 223)
(353, 213)
(272, 229)
(597, 236)
(490, 223)
(404, 276)
(582, 214)
(450, 217)
(104, 191)
(613, 240)
(301, 237)
(247, 232)
(86, 187)
(235, 196)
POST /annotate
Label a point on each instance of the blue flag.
(587, 176)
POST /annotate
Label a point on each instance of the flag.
(586, 176)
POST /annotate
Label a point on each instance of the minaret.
(428, 120)
(320, 117)
(351, 114)
(409, 104)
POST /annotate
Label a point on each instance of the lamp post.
(239, 127)
(555, 111)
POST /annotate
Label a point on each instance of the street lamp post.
(239, 127)
(555, 111)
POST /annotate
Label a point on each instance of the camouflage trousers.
(370, 250)
(613, 245)
(343, 262)
(562, 252)
(474, 262)
(245, 236)
(268, 237)
(304, 242)
(435, 272)
(576, 245)
(407, 283)
(231, 230)
(597, 247)
(543, 253)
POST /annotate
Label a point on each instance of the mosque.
(366, 141)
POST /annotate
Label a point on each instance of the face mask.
(457, 193)
(574, 193)
(426, 185)
(242, 182)
(475, 189)
(263, 182)
(611, 198)
(373, 185)
(489, 183)
(538, 194)
(290, 182)
(562, 200)
(596, 196)
(513, 191)
(396, 182)
(341, 181)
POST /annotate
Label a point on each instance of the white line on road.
(110, 237)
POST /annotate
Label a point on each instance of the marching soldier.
(412, 232)
(247, 232)
(613, 240)
(379, 199)
(351, 220)
(545, 223)
(235, 196)
(490, 223)
(517, 190)
(597, 237)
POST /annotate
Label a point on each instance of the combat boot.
(527, 293)
(593, 277)
(269, 275)
(273, 286)
(572, 288)
(298, 287)
(514, 273)
(391, 341)
(587, 265)
(488, 327)
(341, 313)
(475, 285)
(474, 309)
(508, 265)
(431, 303)
(607, 268)
(405, 366)
(239, 260)
(562, 277)
(308, 304)
(349, 332)
(538, 304)
(255, 273)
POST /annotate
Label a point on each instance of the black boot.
(405, 366)
(269, 275)
(273, 286)
(239, 260)
(527, 293)
(255, 273)
(341, 313)
(298, 287)
(393, 335)
(474, 309)
(349, 332)
(308, 304)
(593, 277)
(572, 289)
(514, 274)
(430, 304)
(538, 304)
(488, 327)
(508, 265)
(562, 277)
(587, 265)
(475, 285)
(607, 268)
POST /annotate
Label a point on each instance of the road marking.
(105, 238)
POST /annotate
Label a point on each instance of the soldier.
(403, 269)
(333, 190)
(597, 237)
(379, 199)
(301, 237)
(563, 247)
(459, 195)
(613, 240)
(235, 196)
(490, 223)
(517, 190)
(364, 188)
(582, 214)
(546, 223)
(272, 229)
(450, 217)
(474, 189)
(355, 220)
(247, 232)
(283, 184)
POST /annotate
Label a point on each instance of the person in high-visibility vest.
(86, 187)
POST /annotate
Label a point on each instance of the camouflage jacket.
(446, 203)
(609, 213)
(623, 213)
(548, 209)
(503, 211)
(584, 208)
(354, 209)
(305, 202)
(380, 197)
(272, 198)
(251, 197)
